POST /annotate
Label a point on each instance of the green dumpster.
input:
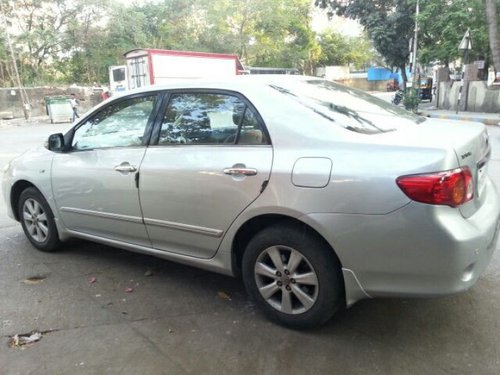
(59, 109)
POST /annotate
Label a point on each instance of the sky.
(345, 26)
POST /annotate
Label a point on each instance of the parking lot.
(102, 310)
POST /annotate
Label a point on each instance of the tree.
(442, 26)
(98, 45)
(337, 49)
(494, 38)
(263, 32)
(5, 74)
(41, 33)
(388, 23)
(76, 41)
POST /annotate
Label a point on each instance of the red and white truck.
(148, 66)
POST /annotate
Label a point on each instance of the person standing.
(105, 95)
(74, 104)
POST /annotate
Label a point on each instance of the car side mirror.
(56, 142)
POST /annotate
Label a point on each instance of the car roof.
(233, 82)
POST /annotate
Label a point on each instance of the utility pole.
(465, 45)
(415, 60)
(23, 96)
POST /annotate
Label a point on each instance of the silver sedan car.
(319, 195)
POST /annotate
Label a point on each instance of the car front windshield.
(350, 108)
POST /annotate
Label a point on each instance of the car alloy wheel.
(286, 280)
(293, 276)
(35, 220)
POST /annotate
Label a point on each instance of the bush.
(411, 99)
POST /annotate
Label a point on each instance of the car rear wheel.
(293, 276)
(37, 220)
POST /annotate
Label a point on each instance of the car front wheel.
(37, 220)
(293, 275)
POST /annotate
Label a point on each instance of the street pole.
(462, 80)
(466, 61)
(414, 62)
(464, 45)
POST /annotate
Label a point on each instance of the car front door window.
(121, 124)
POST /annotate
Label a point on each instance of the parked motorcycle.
(397, 97)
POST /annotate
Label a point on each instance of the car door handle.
(240, 171)
(125, 167)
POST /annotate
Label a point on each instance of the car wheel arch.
(261, 222)
(15, 193)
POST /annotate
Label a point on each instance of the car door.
(211, 159)
(94, 182)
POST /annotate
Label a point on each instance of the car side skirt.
(220, 263)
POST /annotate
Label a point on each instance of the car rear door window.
(209, 119)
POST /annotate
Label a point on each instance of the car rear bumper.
(419, 250)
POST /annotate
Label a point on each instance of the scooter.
(397, 97)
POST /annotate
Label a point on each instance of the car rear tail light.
(450, 188)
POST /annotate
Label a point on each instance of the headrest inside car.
(238, 113)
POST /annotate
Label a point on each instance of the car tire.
(37, 220)
(294, 276)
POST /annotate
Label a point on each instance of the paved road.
(180, 320)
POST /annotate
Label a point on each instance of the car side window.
(209, 118)
(250, 131)
(121, 124)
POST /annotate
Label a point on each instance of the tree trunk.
(491, 18)
(403, 75)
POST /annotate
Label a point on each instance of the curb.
(485, 120)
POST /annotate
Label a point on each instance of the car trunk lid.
(471, 145)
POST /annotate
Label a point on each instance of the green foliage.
(76, 41)
(337, 49)
(411, 99)
(442, 26)
(5, 78)
(388, 23)
(261, 32)
(42, 34)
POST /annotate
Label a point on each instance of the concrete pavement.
(177, 321)
(485, 118)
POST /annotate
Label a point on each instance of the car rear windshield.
(350, 108)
